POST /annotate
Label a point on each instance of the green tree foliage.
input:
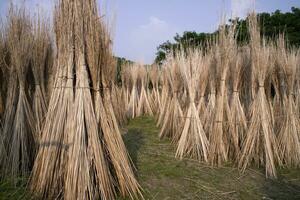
(271, 25)
(188, 39)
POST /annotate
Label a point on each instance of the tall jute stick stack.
(49, 168)
(154, 96)
(238, 123)
(143, 103)
(82, 155)
(297, 84)
(203, 86)
(225, 50)
(193, 141)
(126, 83)
(211, 99)
(164, 97)
(19, 127)
(117, 154)
(133, 99)
(41, 50)
(2, 71)
(288, 138)
(118, 104)
(260, 145)
(172, 120)
(3, 51)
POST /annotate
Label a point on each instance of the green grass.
(14, 191)
(163, 177)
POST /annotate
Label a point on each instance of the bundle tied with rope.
(19, 131)
(81, 141)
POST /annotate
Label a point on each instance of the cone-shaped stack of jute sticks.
(238, 123)
(3, 69)
(203, 86)
(41, 51)
(260, 145)
(297, 86)
(134, 97)
(288, 136)
(143, 102)
(19, 130)
(126, 82)
(172, 120)
(193, 141)
(164, 97)
(119, 104)
(225, 50)
(155, 103)
(81, 154)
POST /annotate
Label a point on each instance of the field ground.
(165, 178)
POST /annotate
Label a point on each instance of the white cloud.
(145, 39)
(240, 8)
(155, 23)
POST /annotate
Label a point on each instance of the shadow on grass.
(134, 140)
(281, 189)
(11, 189)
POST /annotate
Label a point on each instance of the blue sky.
(139, 26)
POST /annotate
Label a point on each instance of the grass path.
(164, 177)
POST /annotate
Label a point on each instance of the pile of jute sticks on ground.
(225, 103)
(58, 122)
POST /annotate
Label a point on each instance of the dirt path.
(164, 177)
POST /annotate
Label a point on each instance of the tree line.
(272, 24)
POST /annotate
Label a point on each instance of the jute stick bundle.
(225, 50)
(143, 103)
(19, 127)
(164, 98)
(173, 118)
(155, 102)
(133, 99)
(238, 123)
(260, 145)
(193, 141)
(288, 138)
(41, 49)
(81, 142)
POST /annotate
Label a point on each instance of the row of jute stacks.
(59, 122)
(225, 103)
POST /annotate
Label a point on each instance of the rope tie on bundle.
(91, 88)
(292, 94)
(65, 77)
